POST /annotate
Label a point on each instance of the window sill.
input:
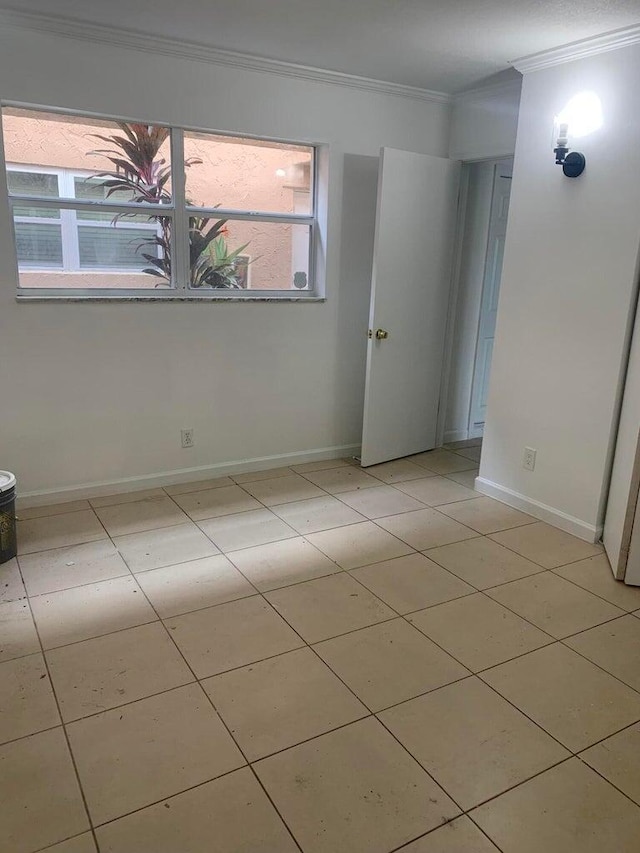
(24, 298)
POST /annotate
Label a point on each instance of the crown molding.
(504, 88)
(583, 49)
(160, 45)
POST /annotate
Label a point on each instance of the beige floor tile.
(41, 801)
(52, 509)
(212, 503)
(546, 545)
(397, 471)
(245, 529)
(411, 583)
(437, 490)
(478, 632)
(126, 498)
(482, 562)
(572, 699)
(58, 531)
(337, 480)
(326, 607)
(267, 474)
(471, 741)
(568, 809)
(63, 568)
(11, 586)
(282, 563)
(355, 790)
(470, 453)
(233, 813)
(283, 490)
(134, 517)
(486, 515)
(26, 699)
(231, 635)
(282, 701)
(133, 756)
(467, 442)
(319, 513)
(618, 759)
(18, 635)
(90, 611)
(80, 844)
(555, 605)
(615, 647)
(105, 672)
(389, 663)
(443, 461)
(198, 486)
(321, 465)
(465, 478)
(358, 545)
(595, 574)
(458, 836)
(385, 500)
(195, 585)
(425, 528)
(154, 549)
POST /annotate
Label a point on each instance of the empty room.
(319, 426)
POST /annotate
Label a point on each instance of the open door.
(412, 260)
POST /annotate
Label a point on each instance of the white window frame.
(179, 213)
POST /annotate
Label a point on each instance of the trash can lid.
(7, 481)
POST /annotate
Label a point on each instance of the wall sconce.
(572, 163)
(580, 117)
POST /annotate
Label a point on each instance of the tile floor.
(318, 659)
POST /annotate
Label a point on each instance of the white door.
(490, 294)
(412, 257)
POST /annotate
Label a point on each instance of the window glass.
(251, 255)
(35, 137)
(248, 174)
(38, 244)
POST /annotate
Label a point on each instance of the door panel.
(415, 227)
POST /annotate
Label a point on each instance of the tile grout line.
(62, 725)
(219, 716)
(400, 616)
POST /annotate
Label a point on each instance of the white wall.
(484, 122)
(468, 298)
(94, 393)
(568, 284)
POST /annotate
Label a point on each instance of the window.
(51, 239)
(100, 208)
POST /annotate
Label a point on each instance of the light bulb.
(581, 116)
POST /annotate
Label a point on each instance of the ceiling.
(445, 45)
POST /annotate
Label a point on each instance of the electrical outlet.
(529, 458)
(187, 437)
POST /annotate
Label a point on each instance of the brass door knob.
(381, 334)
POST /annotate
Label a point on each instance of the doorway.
(476, 290)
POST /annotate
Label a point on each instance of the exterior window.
(50, 239)
(100, 208)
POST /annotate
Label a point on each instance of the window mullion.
(181, 271)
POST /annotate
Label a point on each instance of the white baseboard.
(451, 435)
(581, 529)
(182, 475)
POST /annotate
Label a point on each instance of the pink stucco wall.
(239, 174)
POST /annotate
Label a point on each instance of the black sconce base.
(574, 164)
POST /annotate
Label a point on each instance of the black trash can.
(8, 538)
